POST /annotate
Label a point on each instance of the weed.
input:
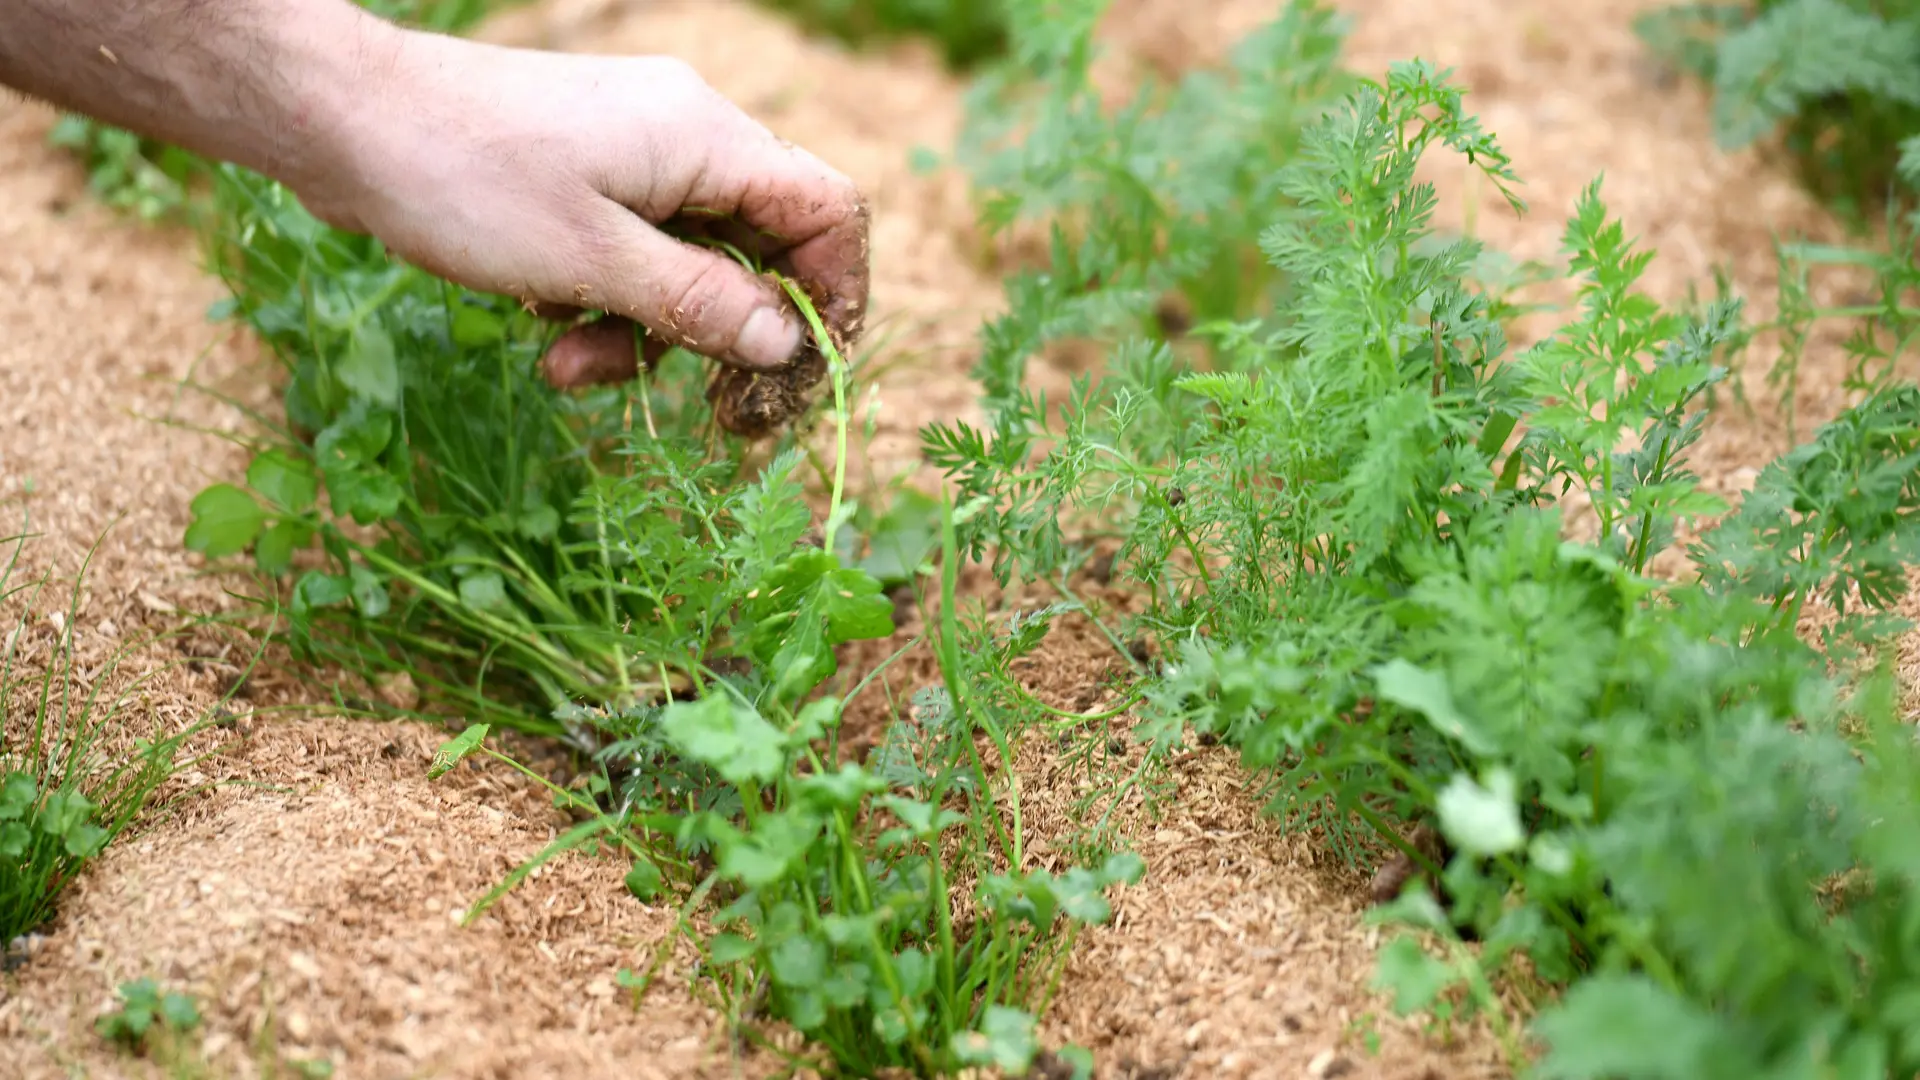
(72, 779)
(156, 1025)
(608, 569)
(146, 1013)
(840, 917)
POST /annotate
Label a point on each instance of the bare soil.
(304, 878)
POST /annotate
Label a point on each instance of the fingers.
(600, 353)
(595, 354)
(815, 212)
(688, 296)
(813, 215)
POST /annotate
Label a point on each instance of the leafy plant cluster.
(608, 570)
(146, 1010)
(424, 461)
(158, 1025)
(1838, 79)
(833, 883)
(1353, 522)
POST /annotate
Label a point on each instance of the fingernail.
(768, 340)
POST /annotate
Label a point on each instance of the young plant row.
(1677, 827)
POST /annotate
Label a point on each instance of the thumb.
(689, 296)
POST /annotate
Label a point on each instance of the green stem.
(837, 371)
(1075, 718)
(562, 664)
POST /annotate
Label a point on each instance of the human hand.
(556, 179)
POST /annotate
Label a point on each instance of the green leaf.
(815, 719)
(830, 606)
(772, 517)
(539, 522)
(1865, 1056)
(1494, 436)
(769, 853)
(855, 607)
(484, 591)
(900, 542)
(290, 484)
(1510, 473)
(1123, 868)
(1425, 692)
(179, 1011)
(922, 819)
(644, 880)
(350, 453)
(754, 864)
(474, 326)
(369, 593)
(86, 841)
(841, 789)
(728, 949)
(1613, 1025)
(1079, 1059)
(369, 367)
(913, 968)
(317, 589)
(805, 1009)
(273, 553)
(14, 839)
(1415, 977)
(1081, 897)
(63, 812)
(890, 1024)
(359, 437)
(367, 495)
(727, 736)
(846, 986)
(1005, 1041)
(17, 796)
(798, 961)
(224, 521)
(453, 750)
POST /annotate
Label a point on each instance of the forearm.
(267, 84)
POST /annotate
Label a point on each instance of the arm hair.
(267, 84)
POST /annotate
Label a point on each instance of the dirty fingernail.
(768, 340)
